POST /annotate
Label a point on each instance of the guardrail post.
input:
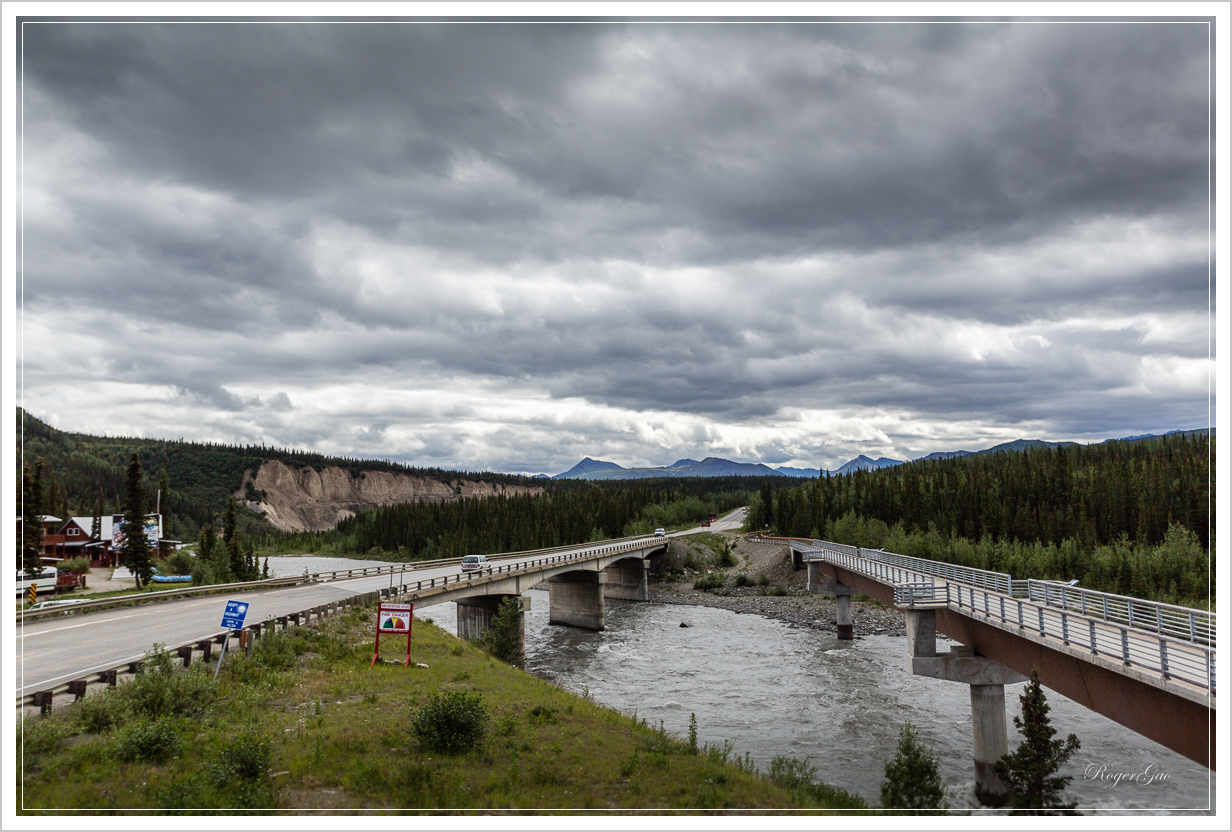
(206, 647)
(1094, 647)
(185, 654)
(135, 667)
(42, 699)
(1163, 659)
(77, 688)
(1125, 646)
(108, 676)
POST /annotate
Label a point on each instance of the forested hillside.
(573, 511)
(80, 470)
(1128, 516)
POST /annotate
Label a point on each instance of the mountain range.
(596, 469)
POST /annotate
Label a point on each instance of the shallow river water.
(771, 688)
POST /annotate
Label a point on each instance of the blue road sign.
(233, 617)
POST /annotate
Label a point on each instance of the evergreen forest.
(1131, 517)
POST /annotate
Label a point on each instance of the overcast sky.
(508, 246)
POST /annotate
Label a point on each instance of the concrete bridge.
(578, 581)
(1147, 666)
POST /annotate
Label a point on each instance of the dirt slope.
(301, 499)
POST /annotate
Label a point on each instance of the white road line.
(86, 624)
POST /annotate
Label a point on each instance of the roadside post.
(232, 619)
(33, 594)
(394, 618)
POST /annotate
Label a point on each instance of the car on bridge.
(473, 563)
(660, 533)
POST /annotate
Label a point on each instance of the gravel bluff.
(303, 500)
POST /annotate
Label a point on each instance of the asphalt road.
(53, 651)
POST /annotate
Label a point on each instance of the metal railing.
(1186, 623)
(315, 577)
(1142, 634)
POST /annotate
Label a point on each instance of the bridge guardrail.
(1186, 623)
(317, 577)
(1192, 661)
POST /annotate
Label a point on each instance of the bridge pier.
(627, 579)
(576, 599)
(475, 613)
(987, 680)
(820, 584)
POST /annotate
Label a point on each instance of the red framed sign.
(394, 618)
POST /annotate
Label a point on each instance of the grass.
(307, 724)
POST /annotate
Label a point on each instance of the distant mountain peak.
(683, 463)
(588, 466)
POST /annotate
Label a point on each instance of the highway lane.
(56, 650)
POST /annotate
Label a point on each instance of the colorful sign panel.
(153, 531)
(233, 617)
(395, 618)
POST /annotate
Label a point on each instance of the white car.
(660, 533)
(43, 605)
(473, 563)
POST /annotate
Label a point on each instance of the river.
(771, 689)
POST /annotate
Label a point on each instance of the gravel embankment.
(796, 607)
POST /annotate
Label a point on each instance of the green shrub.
(706, 582)
(98, 712)
(796, 776)
(912, 780)
(154, 742)
(450, 723)
(726, 558)
(247, 758)
(762, 580)
(78, 566)
(503, 638)
(159, 689)
(542, 714)
(743, 580)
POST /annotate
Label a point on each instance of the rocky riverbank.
(790, 601)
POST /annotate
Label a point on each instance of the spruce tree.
(911, 778)
(1029, 772)
(32, 519)
(231, 543)
(135, 551)
(96, 526)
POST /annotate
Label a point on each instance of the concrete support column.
(921, 634)
(989, 741)
(843, 616)
(475, 613)
(627, 579)
(815, 579)
(576, 599)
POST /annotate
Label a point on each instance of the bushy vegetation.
(912, 780)
(713, 580)
(799, 778)
(450, 723)
(503, 639)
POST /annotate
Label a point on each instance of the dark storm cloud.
(998, 222)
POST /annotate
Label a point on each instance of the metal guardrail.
(314, 577)
(1186, 623)
(1049, 613)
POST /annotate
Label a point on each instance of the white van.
(474, 563)
(46, 582)
(660, 533)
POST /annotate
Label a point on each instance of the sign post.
(394, 618)
(232, 619)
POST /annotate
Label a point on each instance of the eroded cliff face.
(301, 499)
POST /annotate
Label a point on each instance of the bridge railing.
(998, 581)
(1051, 614)
(1186, 623)
(1172, 658)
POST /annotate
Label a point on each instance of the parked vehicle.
(473, 563)
(46, 582)
(714, 516)
(660, 533)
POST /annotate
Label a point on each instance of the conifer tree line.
(1093, 494)
(1131, 518)
(571, 512)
